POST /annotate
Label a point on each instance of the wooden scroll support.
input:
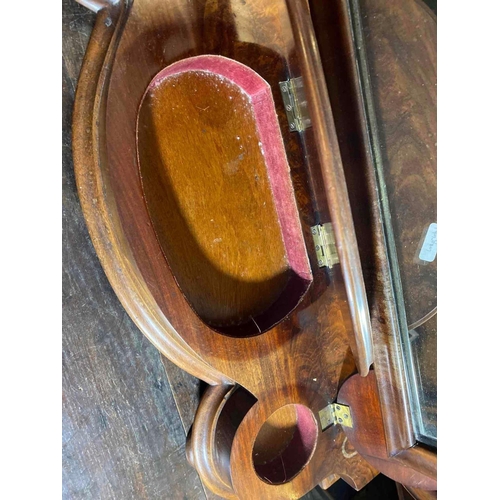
(208, 448)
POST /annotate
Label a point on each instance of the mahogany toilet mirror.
(225, 158)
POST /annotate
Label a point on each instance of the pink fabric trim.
(269, 132)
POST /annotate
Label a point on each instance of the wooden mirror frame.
(396, 439)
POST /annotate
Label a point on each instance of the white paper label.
(428, 251)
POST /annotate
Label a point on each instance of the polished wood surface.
(367, 435)
(421, 459)
(399, 42)
(402, 56)
(209, 197)
(302, 360)
(407, 70)
(217, 186)
(264, 48)
(125, 409)
(209, 444)
(92, 177)
(219, 415)
(330, 161)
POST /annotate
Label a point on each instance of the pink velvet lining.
(273, 150)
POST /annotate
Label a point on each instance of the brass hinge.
(334, 414)
(324, 244)
(294, 99)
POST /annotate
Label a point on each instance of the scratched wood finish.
(305, 357)
(217, 225)
(122, 437)
(401, 49)
(338, 57)
(276, 449)
(410, 493)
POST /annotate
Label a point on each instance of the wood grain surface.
(400, 49)
(301, 361)
(367, 435)
(217, 187)
(216, 225)
(332, 171)
(126, 408)
(403, 77)
(123, 436)
(402, 56)
(304, 358)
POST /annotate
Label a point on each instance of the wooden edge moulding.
(241, 231)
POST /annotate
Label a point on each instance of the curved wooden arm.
(334, 181)
(98, 202)
(201, 447)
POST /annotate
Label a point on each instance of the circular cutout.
(285, 444)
